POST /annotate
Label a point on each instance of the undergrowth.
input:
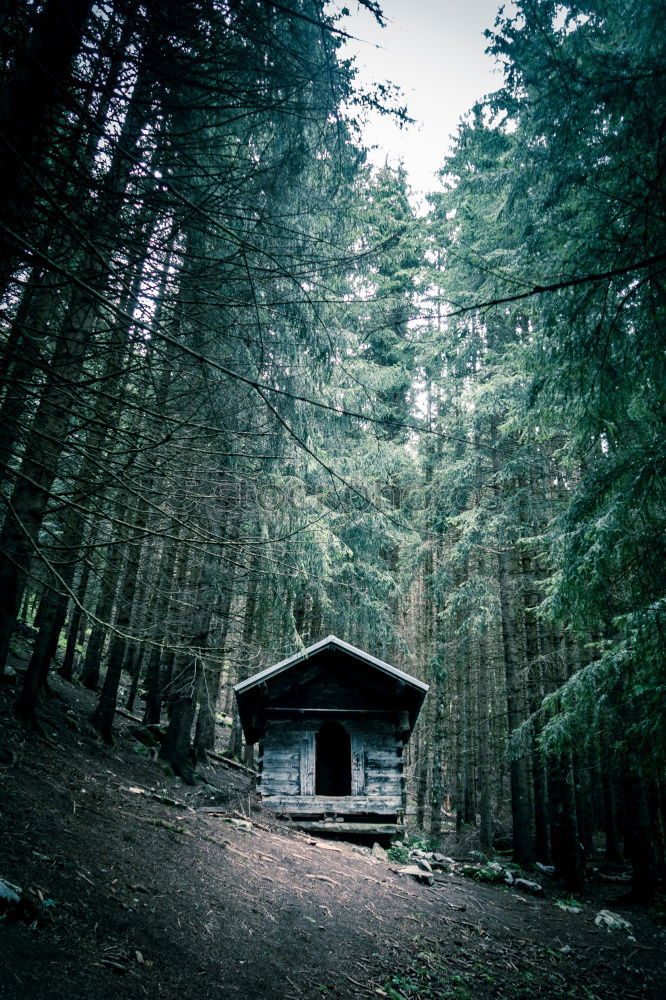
(430, 977)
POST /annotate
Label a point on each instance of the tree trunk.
(422, 761)
(565, 844)
(483, 708)
(90, 669)
(102, 717)
(39, 467)
(66, 670)
(436, 789)
(249, 625)
(613, 848)
(535, 697)
(584, 802)
(176, 746)
(521, 813)
(132, 665)
(43, 651)
(523, 840)
(470, 676)
(31, 95)
(639, 839)
(63, 569)
(204, 735)
(25, 345)
(171, 578)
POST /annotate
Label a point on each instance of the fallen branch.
(220, 758)
(128, 715)
(323, 878)
(157, 796)
(164, 823)
(366, 989)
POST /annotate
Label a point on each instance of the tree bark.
(171, 577)
(565, 843)
(66, 670)
(639, 839)
(436, 789)
(35, 90)
(90, 669)
(613, 848)
(523, 840)
(249, 625)
(176, 746)
(103, 716)
(39, 467)
(132, 665)
(483, 708)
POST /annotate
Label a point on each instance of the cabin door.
(308, 764)
(333, 766)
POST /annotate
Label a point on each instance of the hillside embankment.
(136, 885)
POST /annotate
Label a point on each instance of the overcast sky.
(434, 50)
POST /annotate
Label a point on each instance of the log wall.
(287, 767)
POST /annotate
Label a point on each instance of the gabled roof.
(330, 642)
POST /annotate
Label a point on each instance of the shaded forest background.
(251, 397)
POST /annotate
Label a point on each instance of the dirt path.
(146, 894)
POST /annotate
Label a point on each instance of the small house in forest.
(332, 722)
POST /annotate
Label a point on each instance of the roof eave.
(330, 642)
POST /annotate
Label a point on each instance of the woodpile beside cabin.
(332, 722)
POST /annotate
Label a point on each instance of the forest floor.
(143, 893)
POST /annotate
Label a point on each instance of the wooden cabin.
(332, 722)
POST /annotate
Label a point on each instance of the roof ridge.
(347, 647)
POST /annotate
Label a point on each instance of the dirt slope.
(147, 897)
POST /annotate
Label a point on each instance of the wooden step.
(365, 829)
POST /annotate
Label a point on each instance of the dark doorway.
(333, 760)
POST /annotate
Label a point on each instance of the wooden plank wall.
(288, 766)
(357, 764)
(280, 762)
